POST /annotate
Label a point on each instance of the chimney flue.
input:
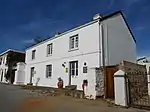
(97, 16)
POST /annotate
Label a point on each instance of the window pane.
(73, 65)
(76, 68)
(76, 64)
(76, 72)
(49, 48)
(76, 43)
(73, 72)
(71, 42)
(33, 54)
(48, 71)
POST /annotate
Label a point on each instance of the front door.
(31, 74)
(73, 70)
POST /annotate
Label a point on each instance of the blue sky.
(23, 20)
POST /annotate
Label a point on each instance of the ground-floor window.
(48, 71)
(74, 68)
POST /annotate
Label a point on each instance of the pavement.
(11, 96)
(15, 99)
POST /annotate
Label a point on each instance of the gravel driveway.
(13, 96)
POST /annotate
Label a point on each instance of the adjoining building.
(8, 62)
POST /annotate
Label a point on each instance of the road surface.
(13, 98)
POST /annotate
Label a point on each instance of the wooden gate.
(109, 81)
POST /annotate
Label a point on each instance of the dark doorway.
(31, 74)
(1, 75)
(12, 79)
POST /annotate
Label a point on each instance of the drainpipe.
(102, 53)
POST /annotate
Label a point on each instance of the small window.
(49, 49)
(0, 61)
(85, 69)
(33, 54)
(48, 71)
(74, 42)
(74, 68)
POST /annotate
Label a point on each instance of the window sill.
(48, 77)
(48, 55)
(75, 76)
(73, 49)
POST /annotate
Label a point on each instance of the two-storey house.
(10, 57)
(105, 41)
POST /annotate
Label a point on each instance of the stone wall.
(136, 76)
(99, 82)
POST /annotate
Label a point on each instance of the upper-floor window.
(0, 61)
(48, 71)
(74, 42)
(49, 49)
(33, 54)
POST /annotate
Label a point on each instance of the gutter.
(102, 53)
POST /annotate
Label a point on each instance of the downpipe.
(102, 53)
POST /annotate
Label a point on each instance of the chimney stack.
(97, 16)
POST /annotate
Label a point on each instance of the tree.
(35, 41)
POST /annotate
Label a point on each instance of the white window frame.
(49, 49)
(33, 54)
(74, 68)
(49, 71)
(74, 42)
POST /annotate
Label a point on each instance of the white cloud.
(30, 41)
(131, 2)
(139, 28)
(111, 3)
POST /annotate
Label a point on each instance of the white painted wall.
(119, 43)
(119, 46)
(88, 52)
(20, 73)
(4, 68)
(90, 92)
(120, 88)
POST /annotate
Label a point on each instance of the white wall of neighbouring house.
(20, 73)
(3, 68)
(87, 52)
(119, 43)
(147, 64)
